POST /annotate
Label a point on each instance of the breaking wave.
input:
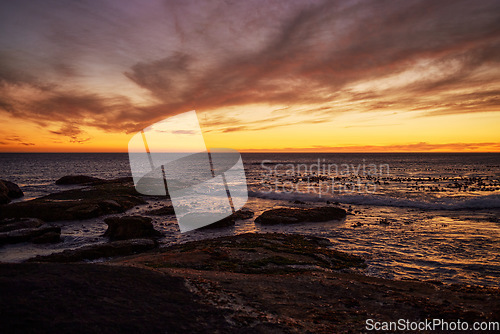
(491, 201)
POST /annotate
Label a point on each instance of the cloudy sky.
(263, 75)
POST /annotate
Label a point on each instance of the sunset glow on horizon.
(281, 76)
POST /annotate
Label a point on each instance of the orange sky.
(263, 76)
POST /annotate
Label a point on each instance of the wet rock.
(29, 234)
(384, 221)
(9, 191)
(16, 224)
(13, 190)
(108, 197)
(231, 220)
(163, 211)
(225, 222)
(77, 179)
(130, 227)
(290, 216)
(93, 252)
(47, 238)
(243, 214)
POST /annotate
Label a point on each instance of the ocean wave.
(491, 201)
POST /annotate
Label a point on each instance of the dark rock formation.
(243, 214)
(77, 179)
(47, 238)
(290, 216)
(8, 191)
(108, 197)
(13, 190)
(37, 234)
(16, 224)
(4, 198)
(130, 227)
(92, 252)
(163, 211)
(256, 253)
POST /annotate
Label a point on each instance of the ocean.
(423, 216)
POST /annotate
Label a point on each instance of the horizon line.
(314, 152)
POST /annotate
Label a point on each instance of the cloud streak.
(415, 147)
(426, 57)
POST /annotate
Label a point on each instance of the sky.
(263, 76)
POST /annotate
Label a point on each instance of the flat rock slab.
(93, 252)
(108, 197)
(13, 190)
(254, 253)
(51, 233)
(296, 215)
(336, 302)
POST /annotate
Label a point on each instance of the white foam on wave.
(491, 201)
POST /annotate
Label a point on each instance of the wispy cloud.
(8, 140)
(73, 132)
(416, 147)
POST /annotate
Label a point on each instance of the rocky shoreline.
(246, 283)
(249, 283)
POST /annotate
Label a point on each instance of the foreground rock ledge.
(294, 215)
(249, 283)
(254, 253)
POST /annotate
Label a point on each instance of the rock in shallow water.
(31, 235)
(77, 179)
(292, 215)
(16, 224)
(92, 252)
(47, 238)
(231, 220)
(130, 227)
(13, 190)
(8, 191)
(163, 211)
